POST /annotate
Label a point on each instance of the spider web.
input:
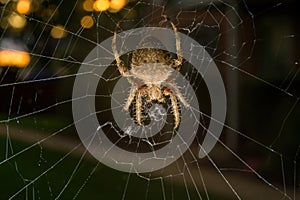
(257, 155)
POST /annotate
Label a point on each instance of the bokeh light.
(23, 6)
(17, 21)
(101, 5)
(88, 5)
(87, 22)
(116, 5)
(58, 32)
(14, 58)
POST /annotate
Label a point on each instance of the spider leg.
(175, 108)
(179, 94)
(178, 61)
(131, 96)
(120, 64)
(139, 104)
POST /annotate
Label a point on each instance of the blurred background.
(255, 47)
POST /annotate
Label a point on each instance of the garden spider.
(153, 68)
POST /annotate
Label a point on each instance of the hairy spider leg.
(138, 104)
(180, 96)
(178, 61)
(175, 108)
(121, 66)
(131, 96)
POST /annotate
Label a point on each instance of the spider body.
(151, 76)
(148, 66)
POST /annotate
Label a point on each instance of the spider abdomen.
(152, 73)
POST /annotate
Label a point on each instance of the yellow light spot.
(14, 58)
(58, 32)
(87, 22)
(116, 5)
(23, 6)
(101, 5)
(17, 21)
(88, 5)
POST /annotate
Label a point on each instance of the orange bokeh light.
(58, 32)
(23, 6)
(14, 58)
(116, 5)
(101, 5)
(87, 22)
(88, 5)
(17, 21)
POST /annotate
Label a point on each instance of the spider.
(153, 68)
